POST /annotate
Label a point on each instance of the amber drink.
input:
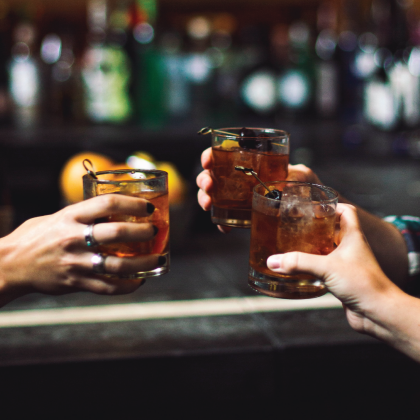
(151, 185)
(264, 150)
(302, 220)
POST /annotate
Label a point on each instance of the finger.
(102, 285)
(122, 265)
(298, 262)
(104, 205)
(204, 181)
(207, 159)
(105, 233)
(224, 229)
(302, 173)
(347, 218)
(204, 200)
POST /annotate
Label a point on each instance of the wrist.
(386, 314)
(9, 288)
(7, 292)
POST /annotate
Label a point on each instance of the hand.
(49, 254)
(205, 183)
(350, 272)
(302, 173)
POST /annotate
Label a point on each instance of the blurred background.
(130, 82)
(121, 78)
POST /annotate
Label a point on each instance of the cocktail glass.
(265, 150)
(303, 220)
(151, 185)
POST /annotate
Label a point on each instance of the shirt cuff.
(409, 226)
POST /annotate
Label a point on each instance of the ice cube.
(296, 203)
(323, 210)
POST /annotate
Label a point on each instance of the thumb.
(298, 263)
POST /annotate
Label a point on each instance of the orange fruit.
(176, 184)
(71, 184)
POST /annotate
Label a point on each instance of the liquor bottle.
(296, 82)
(327, 69)
(149, 64)
(106, 69)
(351, 86)
(260, 71)
(5, 26)
(177, 92)
(226, 60)
(200, 71)
(391, 92)
(60, 77)
(24, 77)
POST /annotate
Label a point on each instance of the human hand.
(350, 272)
(49, 254)
(205, 184)
(302, 173)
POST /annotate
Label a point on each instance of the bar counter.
(197, 333)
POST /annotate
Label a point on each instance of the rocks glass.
(151, 185)
(303, 220)
(265, 150)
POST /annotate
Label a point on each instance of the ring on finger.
(98, 263)
(89, 238)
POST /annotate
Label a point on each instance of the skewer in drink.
(265, 150)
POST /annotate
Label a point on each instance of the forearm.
(387, 244)
(395, 320)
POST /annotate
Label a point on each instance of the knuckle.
(109, 289)
(115, 265)
(69, 263)
(353, 207)
(301, 167)
(291, 261)
(67, 243)
(117, 230)
(110, 201)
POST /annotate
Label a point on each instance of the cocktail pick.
(208, 130)
(274, 194)
(92, 172)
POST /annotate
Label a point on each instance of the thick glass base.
(285, 288)
(240, 218)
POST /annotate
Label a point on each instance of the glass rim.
(311, 184)
(282, 134)
(159, 174)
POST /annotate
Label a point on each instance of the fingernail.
(150, 208)
(155, 230)
(273, 263)
(161, 261)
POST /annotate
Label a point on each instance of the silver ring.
(98, 263)
(90, 240)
